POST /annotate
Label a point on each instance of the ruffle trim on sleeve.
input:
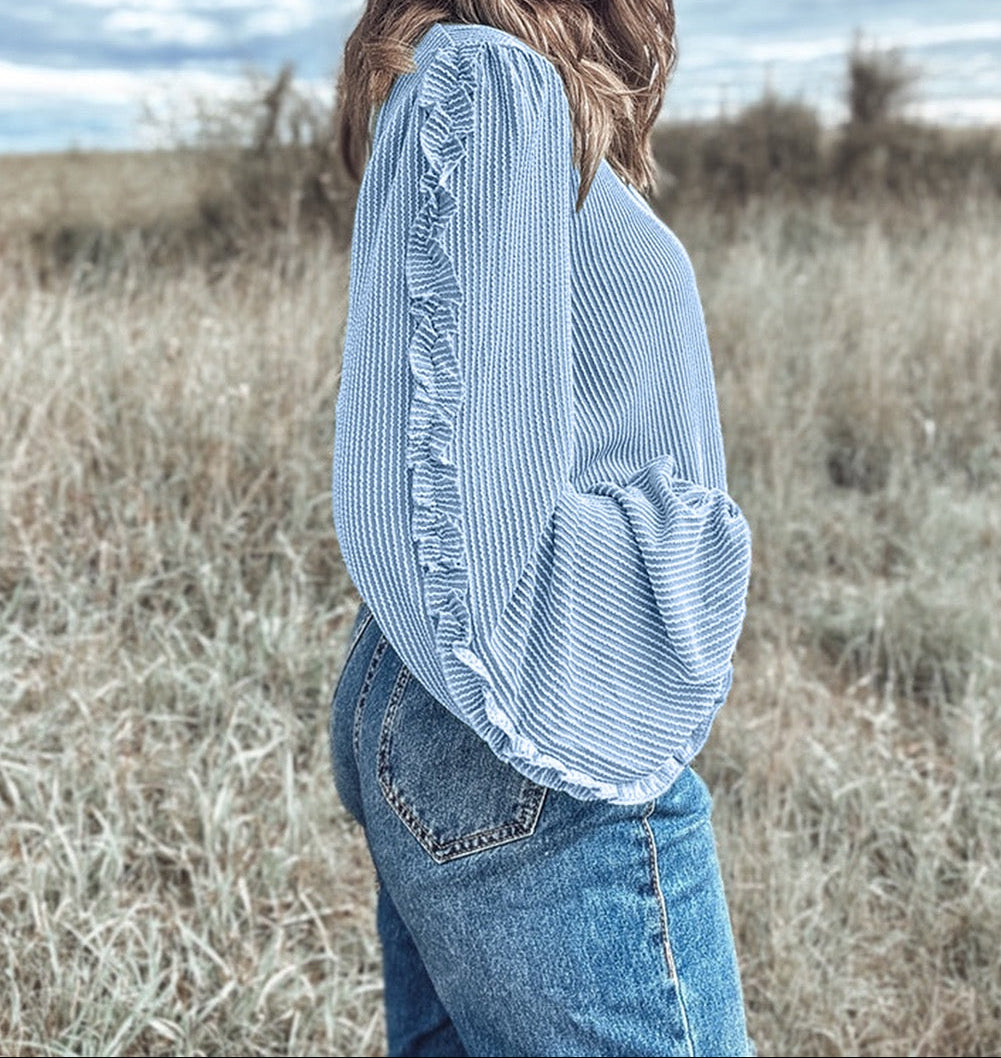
(447, 93)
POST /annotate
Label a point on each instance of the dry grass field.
(101, 189)
(176, 877)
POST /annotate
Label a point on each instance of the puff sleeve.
(586, 635)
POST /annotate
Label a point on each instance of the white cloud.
(985, 110)
(199, 23)
(196, 6)
(889, 34)
(42, 84)
(39, 84)
(162, 27)
(274, 20)
(297, 12)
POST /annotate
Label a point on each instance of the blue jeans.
(516, 920)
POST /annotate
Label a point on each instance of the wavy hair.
(615, 58)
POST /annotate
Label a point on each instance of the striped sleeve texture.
(528, 485)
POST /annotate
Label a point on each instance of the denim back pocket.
(445, 783)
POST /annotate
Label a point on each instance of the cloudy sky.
(81, 72)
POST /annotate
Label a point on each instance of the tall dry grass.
(175, 874)
(858, 763)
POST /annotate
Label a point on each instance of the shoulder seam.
(499, 38)
(493, 35)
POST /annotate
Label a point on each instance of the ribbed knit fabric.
(529, 488)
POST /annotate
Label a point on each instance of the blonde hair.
(615, 58)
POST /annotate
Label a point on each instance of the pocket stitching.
(443, 851)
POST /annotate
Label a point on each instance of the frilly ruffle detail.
(447, 93)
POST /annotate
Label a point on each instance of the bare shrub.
(773, 146)
(272, 153)
(880, 84)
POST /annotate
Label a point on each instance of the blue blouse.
(529, 487)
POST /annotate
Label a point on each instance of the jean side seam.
(664, 926)
(357, 636)
(378, 651)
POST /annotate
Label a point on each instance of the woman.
(530, 495)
